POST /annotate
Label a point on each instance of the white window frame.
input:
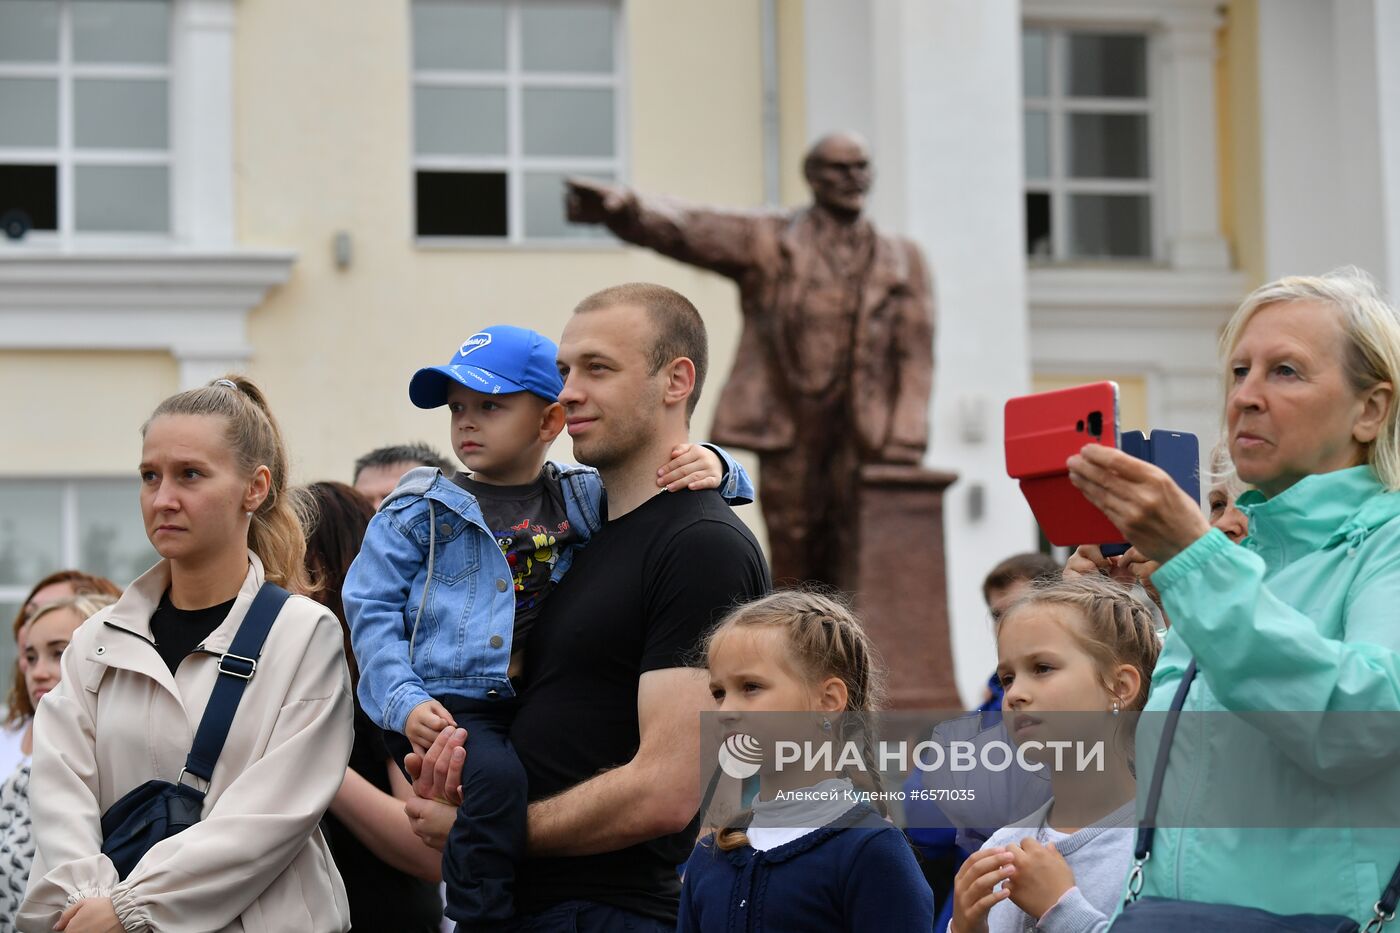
(67, 156)
(1058, 105)
(515, 163)
(190, 293)
(69, 555)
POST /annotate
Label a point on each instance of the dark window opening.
(30, 190)
(461, 204)
(1038, 225)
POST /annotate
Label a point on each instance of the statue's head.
(837, 168)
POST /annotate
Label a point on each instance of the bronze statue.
(835, 362)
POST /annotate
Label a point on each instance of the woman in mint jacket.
(1303, 615)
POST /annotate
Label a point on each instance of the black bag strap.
(1390, 897)
(236, 667)
(1159, 770)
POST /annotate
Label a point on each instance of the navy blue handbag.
(159, 809)
(1165, 915)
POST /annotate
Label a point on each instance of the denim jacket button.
(497, 641)
(444, 529)
(501, 584)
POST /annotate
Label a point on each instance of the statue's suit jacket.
(770, 256)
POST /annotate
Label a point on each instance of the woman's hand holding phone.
(1141, 500)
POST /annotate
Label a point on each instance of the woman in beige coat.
(136, 678)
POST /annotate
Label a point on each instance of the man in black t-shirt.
(608, 729)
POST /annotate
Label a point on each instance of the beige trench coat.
(257, 861)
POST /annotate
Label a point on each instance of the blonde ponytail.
(277, 533)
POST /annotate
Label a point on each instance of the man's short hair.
(1030, 567)
(679, 329)
(401, 453)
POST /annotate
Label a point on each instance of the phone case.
(1178, 453)
(1042, 432)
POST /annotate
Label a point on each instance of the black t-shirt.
(382, 898)
(532, 529)
(638, 598)
(177, 632)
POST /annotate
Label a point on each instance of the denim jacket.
(416, 638)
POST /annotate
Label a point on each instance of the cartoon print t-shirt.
(532, 528)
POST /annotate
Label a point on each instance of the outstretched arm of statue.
(721, 241)
(908, 436)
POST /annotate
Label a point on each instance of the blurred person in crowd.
(1298, 616)
(46, 636)
(390, 875)
(16, 731)
(379, 471)
(136, 680)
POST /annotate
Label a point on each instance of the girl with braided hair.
(811, 853)
(1075, 659)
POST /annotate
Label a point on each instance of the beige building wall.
(79, 414)
(324, 145)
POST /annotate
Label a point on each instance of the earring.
(249, 514)
(826, 724)
(1116, 707)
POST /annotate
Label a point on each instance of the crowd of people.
(477, 691)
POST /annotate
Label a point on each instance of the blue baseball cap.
(495, 361)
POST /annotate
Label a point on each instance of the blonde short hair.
(1372, 331)
(86, 606)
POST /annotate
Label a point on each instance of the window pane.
(544, 208)
(109, 31)
(459, 121)
(452, 34)
(33, 191)
(1037, 144)
(111, 540)
(1035, 62)
(570, 36)
(461, 204)
(1107, 66)
(121, 114)
(28, 30)
(29, 531)
(1108, 145)
(122, 198)
(8, 611)
(1038, 243)
(1110, 226)
(28, 112)
(568, 122)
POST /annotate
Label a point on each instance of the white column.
(1387, 39)
(202, 143)
(1321, 182)
(201, 365)
(962, 92)
(936, 87)
(1188, 139)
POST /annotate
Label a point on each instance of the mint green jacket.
(1304, 615)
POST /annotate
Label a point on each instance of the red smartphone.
(1042, 432)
